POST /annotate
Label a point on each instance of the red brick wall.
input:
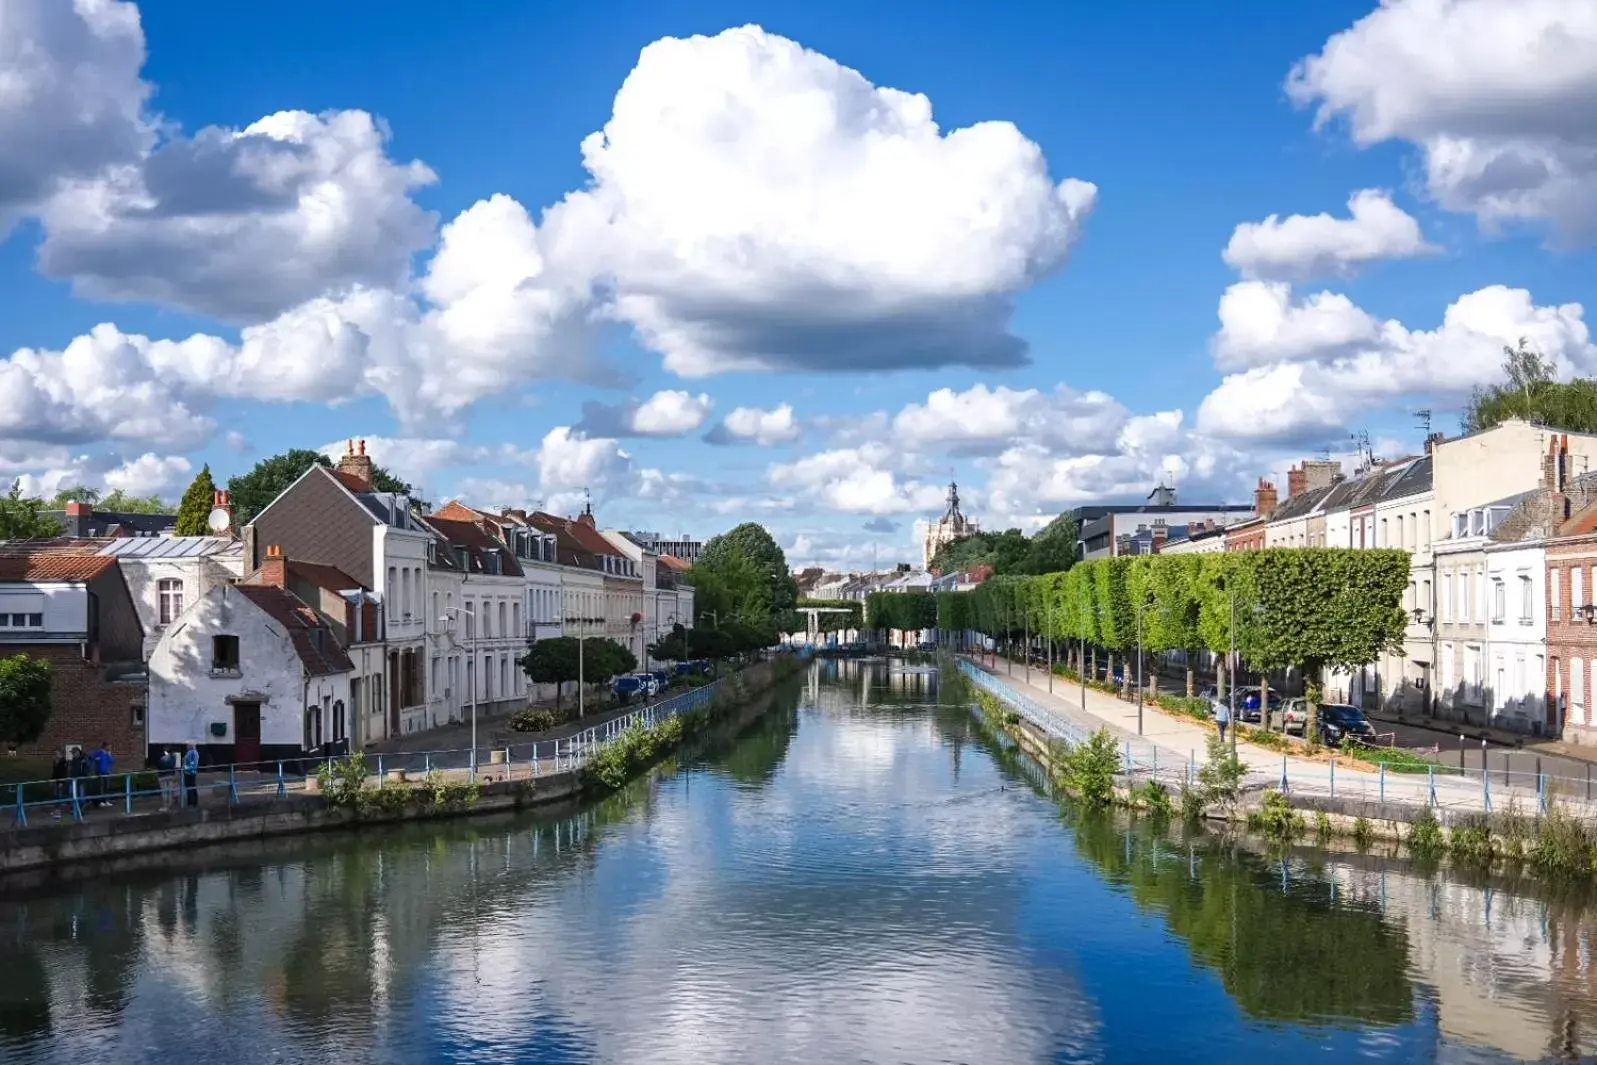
(85, 707)
(1570, 637)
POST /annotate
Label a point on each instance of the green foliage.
(538, 719)
(1425, 839)
(1275, 817)
(195, 508)
(1088, 769)
(119, 502)
(443, 794)
(743, 573)
(901, 611)
(1153, 797)
(1321, 607)
(1471, 841)
(1011, 552)
(77, 493)
(1529, 391)
(1322, 827)
(614, 764)
(1564, 845)
(1117, 622)
(341, 780)
(24, 519)
(24, 698)
(556, 661)
(1193, 804)
(1221, 775)
(954, 611)
(1363, 832)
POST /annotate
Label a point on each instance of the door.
(246, 733)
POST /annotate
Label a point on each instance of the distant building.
(1100, 527)
(81, 520)
(683, 547)
(952, 526)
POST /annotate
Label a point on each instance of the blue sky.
(289, 225)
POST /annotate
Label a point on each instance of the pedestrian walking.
(191, 776)
(1222, 717)
(166, 773)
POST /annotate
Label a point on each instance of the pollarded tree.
(1320, 608)
(1116, 620)
(24, 699)
(1175, 586)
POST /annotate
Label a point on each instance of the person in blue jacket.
(191, 776)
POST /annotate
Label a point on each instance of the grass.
(1396, 759)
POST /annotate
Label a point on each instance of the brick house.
(75, 611)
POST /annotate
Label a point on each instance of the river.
(864, 876)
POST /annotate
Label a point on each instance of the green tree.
(78, 493)
(194, 511)
(119, 502)
(1174, 584)
(24, 699)
(745, 573)
(22, 518)
(552, 661)
(1529, 391)
(673, 646)
(252, 491)
(901, 611)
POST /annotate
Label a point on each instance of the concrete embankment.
(85, 848)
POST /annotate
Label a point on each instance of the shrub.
(1221, 776)
(1471, 841)
(1563, 844)
(1363, 832)
(1425, 839)
(1154, 797)
(1263, 737)
(538, 719)
(1275, 817)
(1088, 769)
(1193, 805)
(1515, 830)
(445, 794)
(1322, 826)
(341, 780)
(389, 797)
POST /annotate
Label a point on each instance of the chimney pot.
(274, 568)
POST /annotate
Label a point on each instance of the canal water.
(865, 876)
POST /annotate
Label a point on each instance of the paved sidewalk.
(1169, 744)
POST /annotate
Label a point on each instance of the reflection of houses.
(75, 612)
(250, 672)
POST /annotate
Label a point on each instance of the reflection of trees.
(24, 995)
(754, 758)
(1284, 954)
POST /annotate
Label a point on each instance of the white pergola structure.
(813, 613)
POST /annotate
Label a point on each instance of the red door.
(246, 733)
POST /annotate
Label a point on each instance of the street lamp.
(471, 652)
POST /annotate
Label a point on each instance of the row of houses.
(1501, 529)
(341, 615)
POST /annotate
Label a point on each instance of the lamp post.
(471, 652)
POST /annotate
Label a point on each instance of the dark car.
(1340, 722)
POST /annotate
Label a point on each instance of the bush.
(341, 780)
(1221, 776)
(1363, 833)
(1425, 839)
(1275, 817)
(445, 794)
(1471, 841)
(389, 797)
(1193, 805)
(539, 718)
(1154, 797)
(1088, 769)
(1322, 827)
(1563, 844)
(1515, 830)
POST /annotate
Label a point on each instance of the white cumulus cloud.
(756, 425)
(1299, 247)
(1261, 323)
(986, 420)
(669, 412)
(1496, 95)
(151, 475)
(862, 480)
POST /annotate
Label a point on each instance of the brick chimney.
(1432, 440)
(223, 501)
(79, 515)
(356, 463)
(274, 568)
(1264, 498)
(1555, 464)
(1296, 481)
(1161, 533)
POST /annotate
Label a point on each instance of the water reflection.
(862, 876)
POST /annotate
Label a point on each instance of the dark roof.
(1411, 481)
(570, 550)
(54, 566)
(1300, 505)
(104, 522)
(328, 578)
(313, 641)
(478, 545)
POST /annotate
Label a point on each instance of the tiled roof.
(469, 534)
(355, 484)
(313, 641)
(672, 562)
(54, 567)
(593, 540)
(570, 549)
(1299, 505)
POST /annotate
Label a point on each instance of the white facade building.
(167, 573)
(1516, 575)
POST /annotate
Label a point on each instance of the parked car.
(627, 686)
(1340, 722)
(1248, 708)
(1295, 713)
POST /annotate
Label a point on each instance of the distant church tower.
(950, 527)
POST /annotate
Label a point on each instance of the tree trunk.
(1264, 699)
(1192, 678)
(559, 689)
(1222, 677)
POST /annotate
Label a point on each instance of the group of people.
(87, 776)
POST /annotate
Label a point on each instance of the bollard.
(1283, 775)
(127, 792)
(232, 787)
(1333, 778)
(282, 787)
(380, 767)
(1430, 774)
(1383, 783)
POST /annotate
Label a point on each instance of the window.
(1427, 602)
(1399, 541)
(1577, 590)
(435, 606)
(1499, 601)
(487, 678)
(1447, 597)
(1425, 529)
(515, 619)
(21, 621)
(504, 630)
(170, 594)
(1555, 594)
(504, 675)
(136, 715)
(471, 618)
(1385, 540)
(432, 678)
(224, 654)
(391, 590)
(1577, 692)
(1526, 605)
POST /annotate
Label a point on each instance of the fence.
(1444, 786)
(133, 794)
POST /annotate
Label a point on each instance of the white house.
(488, 628)
(251, 673)
(166, 573)
(1516, 575)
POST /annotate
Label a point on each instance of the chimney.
(1555, 464)
(222, 501)
(1432, 440)
(79, 515)
(1264, 498)
(274, 568)
(1296, 481)
(356, 463)
(1161, 532)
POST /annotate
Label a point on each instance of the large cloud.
(1497, 95)
(756, 425)
(862, 480)
(71, 100)
(242, 224)
(983, 420)
(755, 205)
(1299, 247)
(1313, 391)
(670, 412)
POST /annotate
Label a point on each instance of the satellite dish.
(220, 520)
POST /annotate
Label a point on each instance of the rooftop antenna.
(1424, 420)
(1361, 445)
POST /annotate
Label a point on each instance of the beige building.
(953, 525)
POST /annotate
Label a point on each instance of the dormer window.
(490, 562)
(432, 551)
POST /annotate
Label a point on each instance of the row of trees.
(901, 611)
(1308, 609)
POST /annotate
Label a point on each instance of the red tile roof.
(476, 541)
(54, 567)
(313, 641)
(350, 481)
(328, 578)
(672, 562)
